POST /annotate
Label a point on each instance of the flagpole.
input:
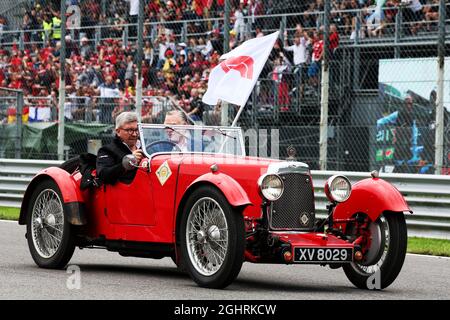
(241, 108)
(62, 84)
(224, 108)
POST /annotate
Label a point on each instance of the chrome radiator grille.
(295, 208)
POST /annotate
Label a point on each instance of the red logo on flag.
(243, 64)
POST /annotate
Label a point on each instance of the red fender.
(372, 197)
(232, 190)
(70, 191)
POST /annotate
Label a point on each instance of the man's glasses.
(131, 131)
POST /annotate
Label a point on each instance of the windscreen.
(178, 138)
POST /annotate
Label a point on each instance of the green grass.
(7, 213)
(435, 247)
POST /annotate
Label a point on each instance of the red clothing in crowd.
(317, 50)
(154, 7)
(45, 53)
(15, 84)
(112, 58)
(15, 63)
(200, 6)
(334, 41)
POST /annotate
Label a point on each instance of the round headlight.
(338, 188)
(271, 186)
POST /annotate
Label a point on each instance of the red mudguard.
(70, 191)
(232, 190)
(372, 197)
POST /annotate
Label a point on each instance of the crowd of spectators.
(100, 75)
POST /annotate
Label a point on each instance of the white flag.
(233, 79)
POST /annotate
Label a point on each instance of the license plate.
(323, 255)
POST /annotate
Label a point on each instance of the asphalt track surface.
(106, 275)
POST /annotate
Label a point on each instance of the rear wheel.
(385, 255)
(49, 234)
(212, 238)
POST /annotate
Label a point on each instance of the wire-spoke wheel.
(207, 236)
(49, 234)
(385, 256)
(212, 238)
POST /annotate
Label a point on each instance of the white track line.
(427, 256)
(9, 221)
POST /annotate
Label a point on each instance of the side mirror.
(129, 162)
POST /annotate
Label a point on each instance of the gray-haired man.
(110, 158)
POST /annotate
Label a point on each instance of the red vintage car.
(211, 208)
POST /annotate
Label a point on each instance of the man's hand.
(139, 155)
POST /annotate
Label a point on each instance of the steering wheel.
(162, 146)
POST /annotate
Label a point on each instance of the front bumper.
(282, 247)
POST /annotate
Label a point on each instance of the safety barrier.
(427, 195)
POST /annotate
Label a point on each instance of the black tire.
(66, 247)
(176, 258)
(392, 260)
(229, 268)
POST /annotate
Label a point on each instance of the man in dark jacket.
(111, 165)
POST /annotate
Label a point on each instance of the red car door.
(131, 204)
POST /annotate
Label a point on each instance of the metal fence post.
(97, 36)
(323, 140)
(103, 4)
(19, 123)
(356, 55)
(282, 28)
(397, 36)
(226, 27)
(46, 36)
(254, 105)
(125, 36)
(216, 24)
(276, 105)
(140, 45)
(184, 32)
(62, 83)
(439, 140)
(21, 41)
(153, 32)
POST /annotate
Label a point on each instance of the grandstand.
(183, 40)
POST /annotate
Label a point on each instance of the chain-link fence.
(381, 97)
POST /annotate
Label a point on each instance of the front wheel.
(212, 238)
(385, 255)
(49, 234)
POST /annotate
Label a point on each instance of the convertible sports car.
(211, 208)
